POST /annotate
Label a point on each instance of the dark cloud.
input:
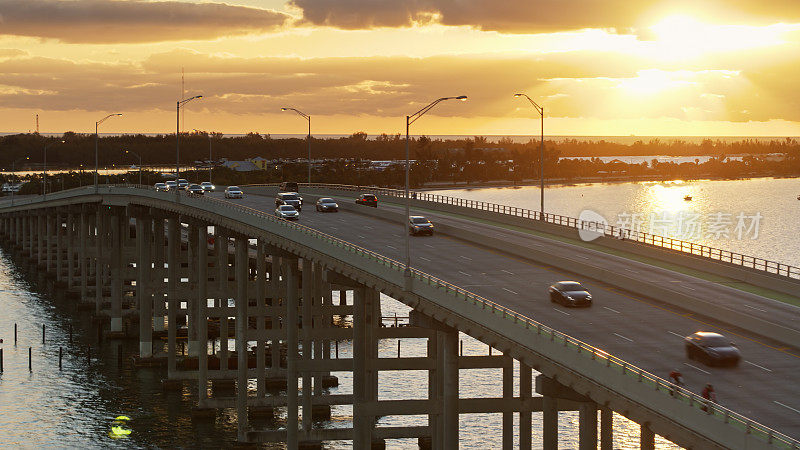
(108, 22)
(534, 16)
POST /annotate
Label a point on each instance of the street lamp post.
(409, 120)
(140, 163)
(540, 110)
(179, 103)
(44, 167)
(96, 138)
(307, 117)
(14, 173)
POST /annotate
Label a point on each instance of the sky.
(597, 68)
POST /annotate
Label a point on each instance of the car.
(171, 184)
(570, 293)
(233, 192)
(161, 187)
(183, 183)
(368, 200)
(419, 225)
(289, 198)
(288, 186)
(196, 189)
(208, 186)
(326, 204)
(711, 348)
(287, 212)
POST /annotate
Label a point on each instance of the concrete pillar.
(173, 248)
(241, 336)
(59, 250)
(118, 223)
(606, 429)
(222, 264)
(191, 302)
(360, 425)
(50, 232)
(202, 316)
(99, 269)
(525, 417)
(83, 237)
(143, 295)
(41, 230)
(261, 287)
(587, 426)
(450, 397)
(508, 395)
(32, 220)
(70, 245)
(278, 295)
(435, 389)
(159, 258)
(549, 422)
(648, 438)
(307, 280)
(290, 278)
(320, 322)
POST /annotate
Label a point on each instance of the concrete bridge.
(148, 262)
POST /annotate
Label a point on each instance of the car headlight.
(570, 298)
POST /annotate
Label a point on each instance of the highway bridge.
(485, 273)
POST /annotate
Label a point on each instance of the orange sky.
(645, 67)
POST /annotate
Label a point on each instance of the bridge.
(159, 266)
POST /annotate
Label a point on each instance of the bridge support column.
(606, 429)
(587, 426)
(32, 220)
(261, 303)
(99, 259)
(362, 380)
(202, 316)
(306, 331)
(143, 295)
(173, 249)
(289, 266)
(192, 321)
(449, 369)
(118, 224)
(525, 417)
(50, 231)
(83, 237)
(222, 301)
(647, 440)
(25, 234)
(59, 247)
(41, 230)
(70, 245)
(242, 302)
(158, 299)
(277, 290)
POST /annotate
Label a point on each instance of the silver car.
(161, 186)
(287, 212)
(171, 185)
(208, 186)
(326, 204)
(233, 192)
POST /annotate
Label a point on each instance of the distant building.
(261, 163)
(241, 166)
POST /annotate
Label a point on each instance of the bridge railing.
(514, 318)
(638, 236)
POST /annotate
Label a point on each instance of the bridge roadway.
(637, 329)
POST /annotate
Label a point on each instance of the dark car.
(289, 198)
(196, 189)
(419, 225)
(711, 348)
(570, 293)
(367, 199)
(288, 186)
(326, 204)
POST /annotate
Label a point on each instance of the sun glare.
(653, 81)
(683, 37)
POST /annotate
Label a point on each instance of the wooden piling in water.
(30, 359)
(60, 356)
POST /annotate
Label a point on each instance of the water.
(722, 210)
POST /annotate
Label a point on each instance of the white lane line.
(760, 367)
(689, 288)
(428, 245)
(582, 257)
(610, 309)
(503, 270)
(701, 370)
(623, 337)
(676, 334)
(562, 312)
(367, 227)
(334, 228)
(464, 273)
(393, 248)
(362, 237)
(424, 258)
(342, 220)
(509, 290)
(468, 259)
(757, 309)
(396, 235)
(631, 270)
(787, 406)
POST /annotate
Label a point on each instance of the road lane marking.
(428, 245)
(760, 367)
(396, 235)
(610, 309)
(631, 270)
(701, 370)
(509, 290)
(757, 309)
(582, 257)
(393, 248)
(689, 288)
(424, 258)
(464, 273)
(333, 228)
(362, 237)
(562, 312)
(787, 406)
(623, 337)
(503, 270)
(468, 259)
(676, 334)
(367, 227)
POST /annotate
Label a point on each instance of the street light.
(140, 163)
(540, 110)
(96, 138)
(209, 153)
(307, 117)
(44, 167)
(409, 120)
(14, 173)
(179, 103)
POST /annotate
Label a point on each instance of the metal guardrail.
(654, 240)
(631, 371)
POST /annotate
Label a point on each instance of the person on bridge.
(708, 394)
(677, 379)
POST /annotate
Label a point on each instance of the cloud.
(12, 52)
(126, 21)
(533, 16)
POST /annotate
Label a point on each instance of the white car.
(287, 212)
(233, 192)
(161, 187)
(171, 185)
(208, 186)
